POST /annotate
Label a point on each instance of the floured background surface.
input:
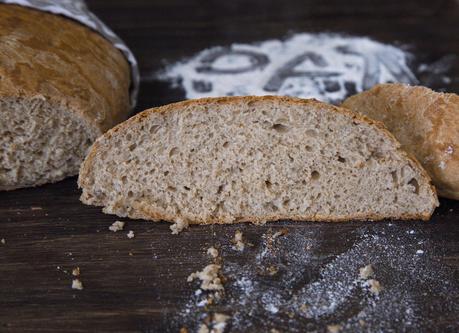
(304, 279)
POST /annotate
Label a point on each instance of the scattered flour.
(315, 292)
(328, 67)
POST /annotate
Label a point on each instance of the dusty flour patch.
(311, 291)
(328, 67)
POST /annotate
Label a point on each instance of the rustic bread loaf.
(425, 122)
(225, 160)
(61, 86)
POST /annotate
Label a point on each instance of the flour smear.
(328, 67)
(291, 283)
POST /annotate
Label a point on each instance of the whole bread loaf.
(425, 122)
(61, 86)
(226, 160)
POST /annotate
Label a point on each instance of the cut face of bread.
(225, 160)
(424, 121)
(39, 143)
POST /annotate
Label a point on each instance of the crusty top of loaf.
(48, 56)
(424, 121)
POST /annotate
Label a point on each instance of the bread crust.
(48, 56)
(144, 212)
(425, 122)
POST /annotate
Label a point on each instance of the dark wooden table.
(140, 284)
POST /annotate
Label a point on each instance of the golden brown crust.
(425, 122)
(145, 212)
(66, 63)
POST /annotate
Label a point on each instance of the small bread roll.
(61, 86)
(425, 122)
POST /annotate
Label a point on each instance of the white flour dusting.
(311, 292)
(328, 67)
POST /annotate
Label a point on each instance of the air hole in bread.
(315, 175)
(220, 189)
(414, 183)
(268, 184)
(341, 159)
(308, 148)
(154, 129)
(311, 133)
(225, 144)
(280, 128)
(173, 151)
(394, 177)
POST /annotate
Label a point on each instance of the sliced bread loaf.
(225, 160)
(61, 86)
(424, 121)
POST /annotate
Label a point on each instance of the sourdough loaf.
(231, 159)
(425, 122)
(61, 86)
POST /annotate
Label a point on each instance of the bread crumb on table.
(209, 277)
(333, 328)
(203, 329)
(212, 251)
(179, 226)
(116, 226)
(130, 234)
(216, 325)
(3, 241)
(366, 272)
(36, 208)
(219, 323)
(238, 241)
(375, 286)
(76, 284)
(76, 271)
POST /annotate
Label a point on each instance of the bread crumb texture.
(116, 226)
(77, 284)
(209, 277)
(256, 159)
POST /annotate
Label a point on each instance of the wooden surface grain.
(137, 285)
